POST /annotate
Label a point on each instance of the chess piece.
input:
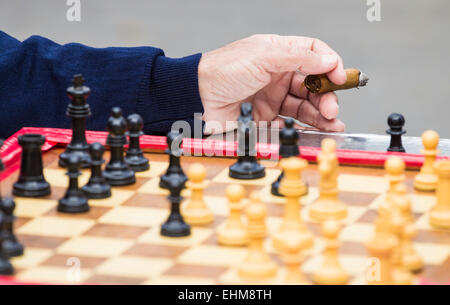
(97, 187)
(427, 179)
(74, 201)
(293, 258)
(195, 211)
(11, 246)
(331, 271)
(396, 121)
(117, 171)
(440, 213)
(410, 258)
(174, 141)
(328, 206)
(175, 225)
(5, 266)
(395, 169)
(292, 187)
(31, 181)
(135, 157)
(288, 148)
(257, 265)
(79, 111)
(247, 166)
(380, 249)
(398, 222)
(234, 232)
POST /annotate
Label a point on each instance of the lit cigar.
(321, 83)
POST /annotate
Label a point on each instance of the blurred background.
(406, 54)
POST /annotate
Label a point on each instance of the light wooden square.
(117, 198)
(58, 177)
(54, 226)
(363, 184)
(95, 246)
(433, 254)
(357, 232)
(152, 187)
(156, 169)
(354, 213)
(133, 266)
(422, 203)
(32, 207)
(271, 176)
(218, 205)
(135, 216)
(423, 223)
(31, 257)
(153, 236)
(352, 264)
(232, 277)
(266, 196)
(52, 275)
(179, 280)
(213, 256)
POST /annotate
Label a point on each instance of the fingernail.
(329, 59)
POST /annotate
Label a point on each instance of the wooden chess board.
(118, 240)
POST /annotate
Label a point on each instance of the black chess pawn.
(74, 201)
(11, 246)
(288, 148)
(78, 110)
(174, 140)
(31, 182)
(135, 157)
(117, 171)
(97, 187)
(5, 266)
(175, 225)
(396, 121)
(247, 166)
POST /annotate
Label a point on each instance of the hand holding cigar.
(321, 84)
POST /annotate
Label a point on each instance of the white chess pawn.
(293, 258)
(331, 271)
(257, 265)
(234, 232)
(292, 187)
(328, 206)
(440, 213)
(427, 179)
(195, 211)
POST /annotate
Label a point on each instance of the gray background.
(406, 54)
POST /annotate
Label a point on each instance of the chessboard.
(118, 241)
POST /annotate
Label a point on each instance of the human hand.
(267, 71)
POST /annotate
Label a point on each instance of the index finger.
(337, 75)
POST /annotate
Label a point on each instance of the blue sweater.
(35, 73)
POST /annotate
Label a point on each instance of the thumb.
(309, 55)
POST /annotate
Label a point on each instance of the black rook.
(31, 181)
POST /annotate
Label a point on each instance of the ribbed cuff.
(170, 94)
